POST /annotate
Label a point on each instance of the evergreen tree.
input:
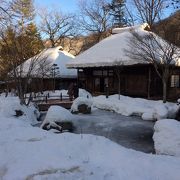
(19, 42)
(34, 38)
(23, 11)
(117, 9)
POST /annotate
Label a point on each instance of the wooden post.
(61, 96)
(149, 83)
(107, 91)
(78, 77)
(46, 99)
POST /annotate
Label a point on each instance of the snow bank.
(9, 105)
(79, 101)
(147, 109)
(56, 114)
(30, 153)
(167, 137)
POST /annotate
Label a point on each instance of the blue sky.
(64, 5)
(68, 6)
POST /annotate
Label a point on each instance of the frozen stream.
(131, 132)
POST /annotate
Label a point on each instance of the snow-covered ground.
(147, 109)
(31, 153)
(167, 137)
(127, 106)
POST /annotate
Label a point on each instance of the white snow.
(31, 153)
(111, 50)
(147, 109)
(57, 114)
(42, 63)
(81, 100)
(167, 137)
(56, 94)
(128, 106)
(84, 93)
(8, 105)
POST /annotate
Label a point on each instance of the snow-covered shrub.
(79, 102)
(84, 93)
(10, 106)
(167, 137)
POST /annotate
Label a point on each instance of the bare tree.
(118, 67)
(94, 17)
(173, 3)
(150, 48)
(13, 58)
(5, 13)
(169, 28)
(56, 26)
(149, 11)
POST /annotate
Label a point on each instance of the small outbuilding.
(47, 70)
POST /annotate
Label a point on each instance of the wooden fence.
(46, 98)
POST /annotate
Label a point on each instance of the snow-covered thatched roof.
(42, 64)
(111, 51)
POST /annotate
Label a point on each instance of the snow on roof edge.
(105, 64)
(123, 29)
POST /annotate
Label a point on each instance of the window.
(110, 72)
(97, 84)
(175, 81)
(105, 72)
(97, 72)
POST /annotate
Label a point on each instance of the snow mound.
(9, 105)
(146, 109)
(79, 101)
(84, 93)
(56, 114)
(167, 137)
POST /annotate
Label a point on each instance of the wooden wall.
(136, 81)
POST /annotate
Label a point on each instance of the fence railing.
(47, 97)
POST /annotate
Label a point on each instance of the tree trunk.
(119, 86)
(164, 91)
(165, 82)
(149, 83)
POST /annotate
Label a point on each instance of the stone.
(18, 113)
(84, 109)
(60, 126)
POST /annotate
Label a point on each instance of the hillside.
(169, 28)
(77, 45)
